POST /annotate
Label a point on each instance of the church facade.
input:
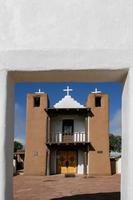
(68, 137)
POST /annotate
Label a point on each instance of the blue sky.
(55, 93)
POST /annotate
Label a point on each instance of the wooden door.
(72, 159)
(66, 162)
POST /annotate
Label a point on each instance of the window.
(97, 101)
(68, 126)
(36, 101)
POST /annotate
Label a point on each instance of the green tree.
(114, 143)
(17, 146)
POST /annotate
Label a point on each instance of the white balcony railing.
(60, 137)
(79, 137)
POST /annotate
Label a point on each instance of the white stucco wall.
(6, 129)
(56, 123)
(80, 162)
(66, 24)
(65, 35)
(118, 166)
(14, 166)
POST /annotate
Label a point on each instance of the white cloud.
(21, 140)
(115, 124)
(17, 107)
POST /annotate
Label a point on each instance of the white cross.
(39, 92)
(68, 90)
(96, 91)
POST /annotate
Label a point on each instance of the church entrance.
(66, 162)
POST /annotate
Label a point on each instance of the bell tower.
(36, 129)
(98, 156)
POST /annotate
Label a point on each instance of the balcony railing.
(75, 137)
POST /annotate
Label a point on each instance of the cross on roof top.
(96, 91)
(39, 92)
(67, 90)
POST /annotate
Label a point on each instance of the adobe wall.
(98, 156)
(36, 133)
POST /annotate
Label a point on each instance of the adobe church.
(68, 137)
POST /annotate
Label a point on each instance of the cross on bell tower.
(67, 90)
(96, 91)
(39, 92)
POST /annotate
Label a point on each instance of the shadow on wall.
(98, 196)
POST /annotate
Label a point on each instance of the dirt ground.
(61, 188)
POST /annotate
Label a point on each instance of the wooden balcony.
(76, 137)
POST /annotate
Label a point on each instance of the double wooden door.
(66, 162)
